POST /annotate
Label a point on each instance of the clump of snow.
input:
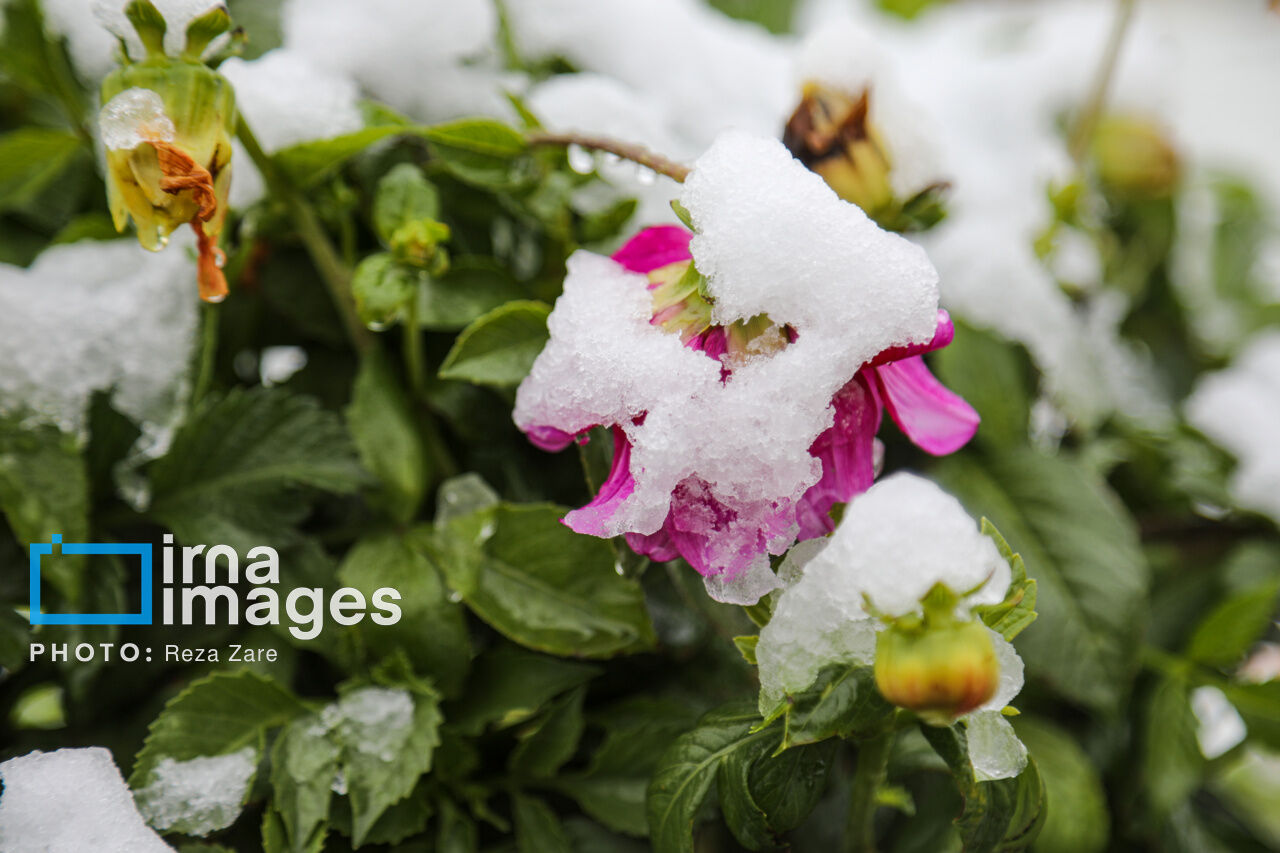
(133, 117)
(287, 98)
(1220, 724)
(374, 720)
(70, 801)
(1238, 408)
(279, 364)
(773, 239)
(897, 540)
(994, 749)
(198, 796)
(433, 59)
(95, 316)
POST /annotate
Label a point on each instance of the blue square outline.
(142, 550)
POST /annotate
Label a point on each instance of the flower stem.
(873, 762)
(626, 150)
(209, 316)
(335, 274)
(414, 364)
(1087, 120)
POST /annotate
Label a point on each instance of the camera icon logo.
(39, 550)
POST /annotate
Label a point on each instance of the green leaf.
(1082, 547)
(746, 646)
(1259, 705)
(472, 287)
(546, 745)
(31, 158)
(1018, 609)
(637, 733)
(385, 433)
(36, 63)
(1225, 635)
(44, 489)
(384, 289)
(787, 787)
(689, 768)
(404, 195)
(540, 584)
(538, 830)
(1002, 815)
(1077, 820)
(509, 685)
(455, 833)
(215, 715)
(742, 814)
(479, 151)
(432, 630)
(843, 701)
(379, 771)
(309, 163)
(238, 469)
(1172, 764)
(499, 348)
(304, 763)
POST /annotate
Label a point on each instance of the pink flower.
(721, 541)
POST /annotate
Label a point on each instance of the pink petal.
(936, 419)
(847, 452)
(655, 247)
(656, 546)
(942, 336)
(549, 438)
(616, 488)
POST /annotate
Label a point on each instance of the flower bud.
(166, 126)
(1135, 158)
(941, 672)
(830, 133)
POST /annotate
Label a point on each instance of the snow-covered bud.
(166, 125)
(939, 666)
(1134, 157)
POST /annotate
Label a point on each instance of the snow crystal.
(95, 316)
(93, 49)
(70, 801)
(133, 117)
(198, 796)
(434, 59)
(1221, 726)
(896, 541)
(773, 239)
(374, 720)
(994, 749)
(287, 98)
(178, 14)
(279, 364)
(1238, 408)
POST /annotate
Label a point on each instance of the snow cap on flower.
(896, 541)
(727, 456)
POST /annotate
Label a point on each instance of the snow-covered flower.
(743, 368)
(866, 593)
(166, 125)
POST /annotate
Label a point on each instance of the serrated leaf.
(44, 489)
(746, 646)
(385, 433)
(499, 348)
(539, 583)
(1082, 546)
(31, 158)
(404, 195)
(787, 787)
(239, 469)
(432, 630)
(842, 701)
(508, 685)
(1078, 820)
(546, 745)
(689, 768)
(1224, 636)
(538, 830)
(472, 287)
(1172, 763)
(384, 289)
(304, 764)
(478, 151)
(1003, 815)
(742, 814)
(308, 163)
(1018, 609)
(215, 715)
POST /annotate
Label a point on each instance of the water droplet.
(645, 176)
(455, 597)
(619, 568)
(377, 325)
(610, 159)
(581, 160)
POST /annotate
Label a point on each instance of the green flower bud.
(1133, 157)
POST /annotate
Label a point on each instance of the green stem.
(1087, 121)
(414, 363)
(209, 317)
(873, 763)
(335, 274)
